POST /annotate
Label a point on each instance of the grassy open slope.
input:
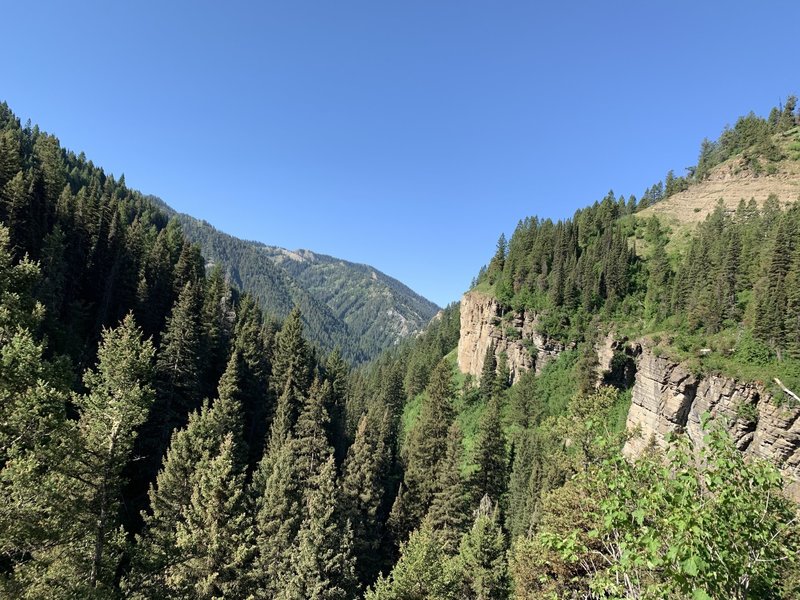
(731, 181)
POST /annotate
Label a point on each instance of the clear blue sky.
(406, 134)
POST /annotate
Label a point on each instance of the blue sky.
(407, 135)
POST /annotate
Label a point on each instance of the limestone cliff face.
(668, 398)
(482, 324)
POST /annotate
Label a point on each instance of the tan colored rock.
(605, 349)
(729, 182)
(668, 398)
(482, 325)
(662, 396)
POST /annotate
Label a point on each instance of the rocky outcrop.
(483, 323)
(668, 398)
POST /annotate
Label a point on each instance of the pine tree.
(363, 494)
(311, 433)
(10, 160)
(423, 572)
(336, 372)
(503, 378)
(157, 547)
(218, 319)
(497, 263)
(488, 373)
(656, 299)
(227, 410)
(291, 364)
(425, 449)
(448, 516)
(254, 368)
(155, 294)
(190, 268)
(35, 436)
(392, 398)
(482, 556)
(32, 400)
(322, 564)
(179, 362)
(118, 401)
(728, 275)
(771, 293)
(278, 503)
(16, 206)
(281, 431)
(490, 457)
(215, 539)
(792, 318)
(51, 164)
(78, 480)
(788, 119)
(525, 455)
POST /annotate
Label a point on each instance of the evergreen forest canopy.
(162, 437)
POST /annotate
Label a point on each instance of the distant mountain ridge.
(352, 306)
(376, 308)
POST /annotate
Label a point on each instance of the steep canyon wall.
(667, 397)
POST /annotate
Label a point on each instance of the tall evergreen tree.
(189, 267)
(792, 316)
(179, 363)
(490, 457)
(658, 272)
(336, 372)
(119, 398)
(218, 319)
(488, 373)
(311, 433)
(503, 378)
(278, 505)
(157, 548)
(362, 497)
(771, 293)
(426, 447)
(423, 572)
(79, 491)
(292, 359)
(322, 563)
(254, 368)
(482, 556)
(449, 515)
(216, 537)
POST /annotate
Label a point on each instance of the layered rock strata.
(483, 324)
(668, 398)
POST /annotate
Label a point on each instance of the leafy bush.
(668, 529)
(752, 351)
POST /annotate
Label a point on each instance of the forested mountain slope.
(161, 437)
(693, 320)
(377, 309)
(350, 306)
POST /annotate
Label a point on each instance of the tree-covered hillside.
(378, 310)
(162, 437)
(558, 513)
(349, 306)
(725, 286)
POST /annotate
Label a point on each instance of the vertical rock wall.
(668, 398)
(482, 324)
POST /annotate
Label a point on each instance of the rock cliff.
(483, 323)
(668, 398)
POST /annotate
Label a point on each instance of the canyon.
(667, 397)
